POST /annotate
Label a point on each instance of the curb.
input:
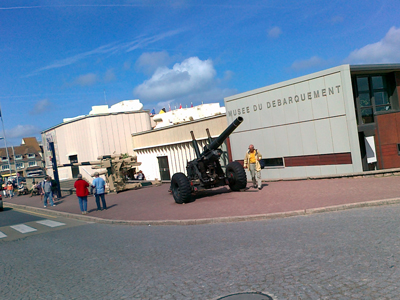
(234, 219)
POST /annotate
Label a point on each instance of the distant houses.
(26, 159)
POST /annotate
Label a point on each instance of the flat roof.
(354, 69)
(374, 68)
(179, 124)
(93, 116)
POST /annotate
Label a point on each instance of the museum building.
(104, 131)
(337, 121)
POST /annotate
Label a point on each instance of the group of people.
(98, 189)
(8, 189)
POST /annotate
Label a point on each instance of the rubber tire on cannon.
(236, 176)
(180, 188)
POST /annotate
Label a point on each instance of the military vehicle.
(205, 172)
(116, 168)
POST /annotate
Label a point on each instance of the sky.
(59, 58)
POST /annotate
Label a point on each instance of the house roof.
(29, 145)
(31, 141)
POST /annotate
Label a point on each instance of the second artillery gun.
(205, 171)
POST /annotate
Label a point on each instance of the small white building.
(102, 132)
(166, 149)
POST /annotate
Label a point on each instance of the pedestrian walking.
(10, 189)
(81, 187)
(252, 162)
(99, 185)
(47, 192)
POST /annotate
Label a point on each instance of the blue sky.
(58, 57)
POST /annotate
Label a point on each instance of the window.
(371, 97)
(5, 167)
(19, 165)
(31, 155)
(17, 157)
(273, 162)
(4, 158)
(32, 163)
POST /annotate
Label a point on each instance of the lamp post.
(5, 142)
(15, 165)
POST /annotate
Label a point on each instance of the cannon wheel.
(180, 187)
(236, 176)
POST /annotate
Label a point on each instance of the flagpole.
(5, 141)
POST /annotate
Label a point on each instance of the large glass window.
(372, 96)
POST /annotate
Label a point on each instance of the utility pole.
(5, 141)
(15, 166)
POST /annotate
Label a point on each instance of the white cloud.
(274, 32)
(86, 80)
(191, 76)
(41, 106)
(127, 65)
(228, 75)
(150, 61)
(110, 49)
(384, 51)
(337, 19)
(312, 62)
(110, 76)
(21, 131)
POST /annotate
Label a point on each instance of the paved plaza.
(155, 204)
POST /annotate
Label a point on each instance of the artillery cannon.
(205, 172)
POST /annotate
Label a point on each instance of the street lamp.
(8, 157)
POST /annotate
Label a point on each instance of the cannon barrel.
(227, 132)
(195, 145)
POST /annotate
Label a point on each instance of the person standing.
(100, 185)
(81, 187)
(47, 192)
(252, 162)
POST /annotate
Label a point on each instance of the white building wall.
(310, 115)
(93, 136)
(178, 156)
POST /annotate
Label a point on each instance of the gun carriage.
(205, 171)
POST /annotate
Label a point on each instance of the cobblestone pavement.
(353, 254)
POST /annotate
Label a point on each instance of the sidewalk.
(154, 205)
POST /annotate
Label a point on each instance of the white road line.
(2, 235)
(23, 228)
(50, 223)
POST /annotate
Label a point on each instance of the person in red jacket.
(82, 192)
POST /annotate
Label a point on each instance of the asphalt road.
(351, 254)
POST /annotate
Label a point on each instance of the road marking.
(50, 223)
(2, 235)
(23, 228)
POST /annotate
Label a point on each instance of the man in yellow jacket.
(251, 161)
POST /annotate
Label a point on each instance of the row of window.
(20, 156)
(19, 165)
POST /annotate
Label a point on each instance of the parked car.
(1, 203)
